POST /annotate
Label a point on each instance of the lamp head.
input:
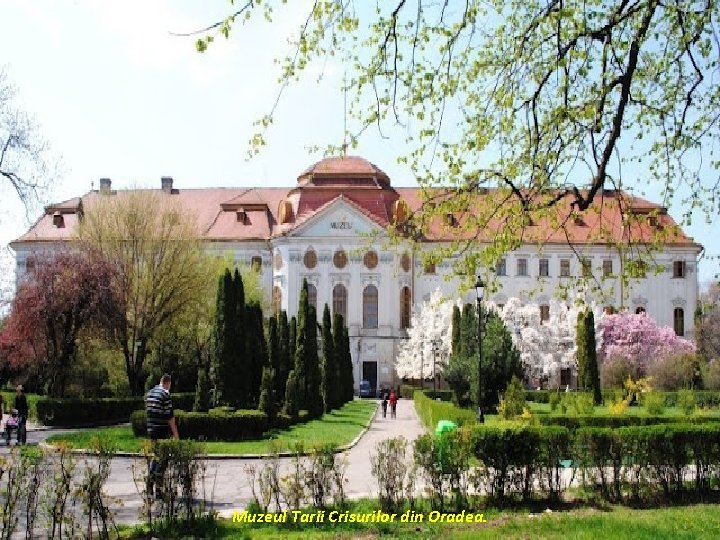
(480, 288)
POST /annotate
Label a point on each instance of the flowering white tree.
(431, 323)
(548, 346)
(7, 279)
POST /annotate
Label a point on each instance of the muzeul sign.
(346, 225)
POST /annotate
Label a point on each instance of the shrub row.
(407, 391)
(703, 398)
(97, 411)
(430, 411)
(211, 426)
(629, 462)
(618, 421)
(219, 424)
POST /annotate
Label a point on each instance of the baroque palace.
(320, 230)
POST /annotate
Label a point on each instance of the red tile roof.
(215, 210)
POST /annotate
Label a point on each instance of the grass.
(614, 522)
(337, 427)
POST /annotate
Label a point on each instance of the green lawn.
(615, 522)
(339, 427)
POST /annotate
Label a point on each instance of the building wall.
(658, 294)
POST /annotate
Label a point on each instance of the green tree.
(256, 353)
(329, 366)
(339, 351)
(348, 376)
(500, 361)
(161, 264)
(292, 405)
(538, 91)
(468, 331)
(225, 366)
(268, 401)
(302, 346)
(292, 340)
(582, 353)
(314, 388)
(593, 372)
(273, 347)
(284, 366)
(202, 392)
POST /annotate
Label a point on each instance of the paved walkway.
(231, 490)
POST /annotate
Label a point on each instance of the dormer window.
(58, 220)
(241, 216)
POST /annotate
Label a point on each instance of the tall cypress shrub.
(235, 385)
(292, 341)
(456, 326)
(593, 373)
(468, 331)
(291, 407)
(313, 376)
(256, 351)
(348, 369)
(226, 351)
(328, 367)
(267, 401)
(338, 351)
(284, 366)
(583, 381)
(202, 392)
(273, 346)
(301, 347)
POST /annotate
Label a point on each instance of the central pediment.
(338, 218)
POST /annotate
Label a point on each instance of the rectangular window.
(522, 269)
(544, 313)
(586, 267)
(607, 268)
(679, 269)
(564, 267)
(430, 268)
(500, 268)
(544, 270)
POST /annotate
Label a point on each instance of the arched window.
(405, 262)
(544, 313)
(312, 295)
(370, 307)
(276, 300)
(340, 301)
(256, 264)
(405, 308)
(679, 321)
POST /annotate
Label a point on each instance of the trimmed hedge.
(97, 411)
(618, 421)
(625, 463)
(216, 425)
(407, 391)
(703, 398)
(430, 411)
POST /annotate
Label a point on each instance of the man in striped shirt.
(160, 424)
(159, 410)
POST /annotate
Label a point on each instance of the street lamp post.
(480, 290)
(434, 349)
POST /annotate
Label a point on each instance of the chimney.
(105, 185)
(167, 183)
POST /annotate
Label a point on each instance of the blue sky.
(118, 96)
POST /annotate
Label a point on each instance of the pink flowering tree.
(638, 338)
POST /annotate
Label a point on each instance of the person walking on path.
(384, 402)
(21, 405)
(393, 404)
(160, 425)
